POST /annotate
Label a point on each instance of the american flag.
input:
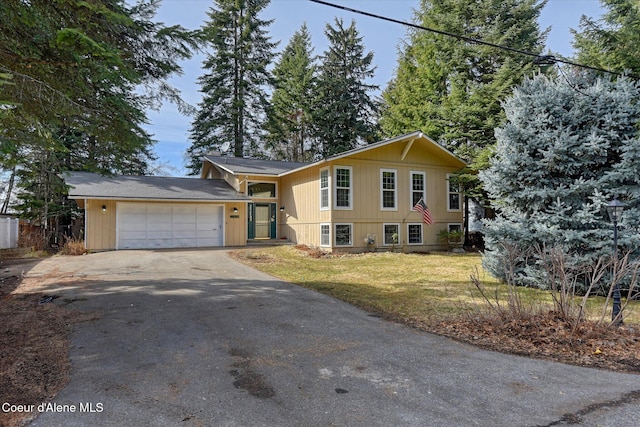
(424, 210)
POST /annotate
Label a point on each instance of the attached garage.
(151, 212)
(163, 225)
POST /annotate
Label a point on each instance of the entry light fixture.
(235, 211)
(104, 208)
(281, 208)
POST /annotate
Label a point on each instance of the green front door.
(262, 221)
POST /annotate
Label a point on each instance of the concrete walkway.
(193, 338)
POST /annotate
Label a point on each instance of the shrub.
(73, 246)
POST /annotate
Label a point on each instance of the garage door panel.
(155, 225)
(182, 215)
(160, 243)
(205, 243)
(133, 244)
(159, 220)
(183, 243)
(184, 226)
(209, 225)
(136, 235)
(135, 218)
(185, 234)
(134, 208)
(159, 234)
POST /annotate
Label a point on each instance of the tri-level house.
(362, 199)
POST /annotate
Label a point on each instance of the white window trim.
(384, 234)
(449, 192)
(411, 190)
(335, 243)
(454, 223)
(335, 188)
(395, 190)
(421, 233)
(328, 224)
(258, 182)
(328, 207)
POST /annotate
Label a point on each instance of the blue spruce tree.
(568, 147)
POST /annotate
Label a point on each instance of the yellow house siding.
(298, 194)
(235, 233)
(301, 199)
(366, 213)
(100, 227)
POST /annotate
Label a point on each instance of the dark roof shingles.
(91, 185)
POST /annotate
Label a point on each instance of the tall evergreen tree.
(345, 114)
(568, 147)
(611, 42)
(231, 114)
(452, 89)
(91, 66)
(77, 78)
(289, 115)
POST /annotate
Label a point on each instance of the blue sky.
(171, 129)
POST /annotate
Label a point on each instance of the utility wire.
(538, 59)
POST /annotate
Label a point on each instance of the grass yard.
(392, 284)
(410, 286)
(434, 292)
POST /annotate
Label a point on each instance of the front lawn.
(434, 292)
(391, 284)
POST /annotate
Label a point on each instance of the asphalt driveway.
(193, 338)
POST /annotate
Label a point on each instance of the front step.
(268, 242)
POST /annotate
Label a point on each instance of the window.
(456, 228)
(344, 235)
(414, 233)
(343, 187)
(391, 234)
(453, 195)
(418, 187)
(324, 189)
(389, 195)
(262, 189)
(325, 235)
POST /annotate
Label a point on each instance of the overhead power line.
(538, 59)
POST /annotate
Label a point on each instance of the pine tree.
(78, 78)
(231, 113)
(568, 147)
(289, 115)
(91, 66)
(452, 89)
(611, 42)
(345, 114)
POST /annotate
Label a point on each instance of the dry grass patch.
(34, 343)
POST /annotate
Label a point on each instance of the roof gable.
(239, 166)
(409, 141)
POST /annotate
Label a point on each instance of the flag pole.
(411, 210)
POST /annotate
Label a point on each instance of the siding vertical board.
(301, 194)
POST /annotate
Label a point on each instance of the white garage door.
(158, 225)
